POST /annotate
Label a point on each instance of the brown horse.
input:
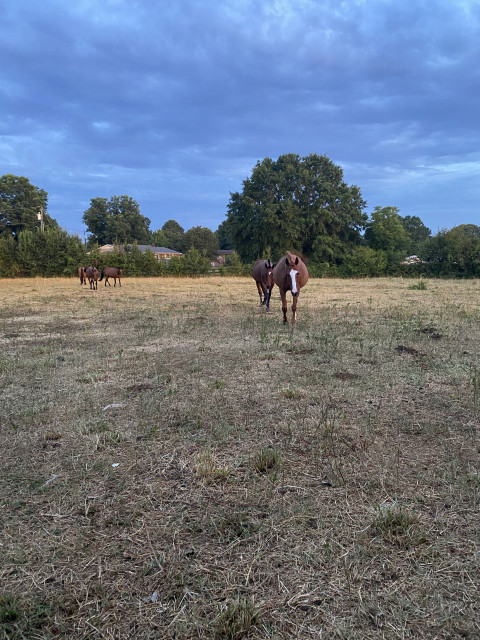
(81, 275)
(92, 274)
(112, 272)
(262, 273)
(290, 274)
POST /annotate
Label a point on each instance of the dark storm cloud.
(174, 104)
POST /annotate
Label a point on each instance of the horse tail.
(101, 276)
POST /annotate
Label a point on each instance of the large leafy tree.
(116, 220)
(174, 235)
(159, 238)
(295, 203)
(19, 204)
(468, 230)
(385, 232)
(203, 240)
(417, 232)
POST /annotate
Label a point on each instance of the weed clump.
(206, 468)
(236, 621)
(397, 525)
(266, 460)
(421, 285)
(8, 610)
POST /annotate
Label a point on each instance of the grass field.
(177, 463)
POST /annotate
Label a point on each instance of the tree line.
(297, 203)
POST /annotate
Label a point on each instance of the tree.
(364, 262)
(300, 204)
(224, 240)
(417, 232)
(386, 232)
(467, 230)
(194, 263)
(159, 238)
(453, 253)
(174, 235)
(51, 253)
(19, 204)
(9, 267)
(203, 240)
(117, 220)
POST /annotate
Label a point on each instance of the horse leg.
(119, 282)
(264, 291)
(268, 294)
(259, 289)
(294, 309)
(283, 295)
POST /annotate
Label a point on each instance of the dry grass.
(176, 463)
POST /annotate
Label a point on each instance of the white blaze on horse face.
(293, 273)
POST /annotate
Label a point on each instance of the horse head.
(269, 276)
(292, 274)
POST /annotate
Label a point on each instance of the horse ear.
(296, 261)
(286, 261)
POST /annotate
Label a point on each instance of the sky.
(173, 102)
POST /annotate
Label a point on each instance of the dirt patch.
(410, 350)
(300, 352)
(345, 375)
(140, 388)
(432, 332)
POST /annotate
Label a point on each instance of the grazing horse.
(290, 274)
(112, 272)
(81, 275)
(262, 273)
(92, 274)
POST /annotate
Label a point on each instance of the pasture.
(177, 463)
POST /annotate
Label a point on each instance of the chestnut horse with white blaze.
(262, 273)
(290, 274)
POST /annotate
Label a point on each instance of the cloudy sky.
(172, 102)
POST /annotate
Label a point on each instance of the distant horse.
(92, 274)
(290, 274)
(112, 272)
(81, 275)
(262, 273)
